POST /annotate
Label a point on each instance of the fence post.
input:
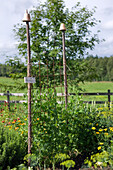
(109, 99)
(8, 99)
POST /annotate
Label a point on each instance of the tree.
(46, 41)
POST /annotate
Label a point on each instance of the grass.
(14, 86)
(18, 86)
(101, 86)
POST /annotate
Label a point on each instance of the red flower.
(9, 123)
(15, 120)
(1, 114)
(3, 121)
(18, 118)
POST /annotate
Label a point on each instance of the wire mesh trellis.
(49, 74)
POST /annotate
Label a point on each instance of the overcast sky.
(12, 12)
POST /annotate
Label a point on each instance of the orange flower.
(16, 128)
(37, 118)
(97, 132)
(99, 147)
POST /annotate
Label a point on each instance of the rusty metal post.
(63, 29)
(27, 20)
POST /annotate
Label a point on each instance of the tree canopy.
(46, 39)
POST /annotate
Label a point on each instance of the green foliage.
(59, 130)
(68, 164)
(104, 131)
(46, 41)
(103, 67)
(12, 148)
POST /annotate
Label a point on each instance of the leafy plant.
(13, 148)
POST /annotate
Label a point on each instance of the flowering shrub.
(57, 130)
(103, 130)
(15, 119)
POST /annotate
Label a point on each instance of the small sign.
(29, 80)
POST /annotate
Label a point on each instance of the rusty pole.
(27, 20)
(63, 29)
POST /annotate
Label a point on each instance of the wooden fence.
(8, 94)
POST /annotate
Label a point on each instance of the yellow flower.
(97, 124)
(22, 132)
(13, 122)
(111, 129)
(93, 128)
(19, 120)
(25, 119)
(106, 133)
(64, 121)
(105, 129)
(100, 130)
(99, 147)
(37, 118)
(97, 132)
(101, 143)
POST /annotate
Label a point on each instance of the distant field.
(14, 87)
(100, 86)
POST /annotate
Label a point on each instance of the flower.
(93, 128)
(100, 130)
(106, 133)
(23, 123)
(19, 120)
(37, 118)
(3, 121)
(13, 122)
(16, 128)
(22, 132)
(9, 123)
(99, 147)
(105, 129)
(97, 132)
(99, 163)
(101, 143)
(25, 119)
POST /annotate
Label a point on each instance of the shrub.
(13, 148)
(57, 130)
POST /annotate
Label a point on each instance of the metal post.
(108, 99)
(8, 99)
(27, 20)
(63, 29)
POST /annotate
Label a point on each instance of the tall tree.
(46, 41)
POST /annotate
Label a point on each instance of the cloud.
(108, 25)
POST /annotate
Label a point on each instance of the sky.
(12, 12)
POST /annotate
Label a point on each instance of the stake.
(63, 29)
(27, 20)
